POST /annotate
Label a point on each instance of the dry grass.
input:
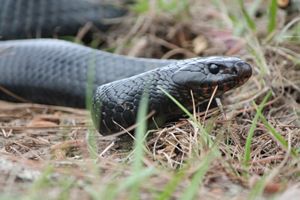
(45, 148)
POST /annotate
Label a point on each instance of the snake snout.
(242, 69)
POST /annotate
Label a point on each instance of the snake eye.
(213, 68)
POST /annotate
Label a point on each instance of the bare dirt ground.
(55, 142)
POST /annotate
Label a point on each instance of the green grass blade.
(278, 137)
(168, 6)
(42, 182)
(193, 188)
(206, 136)
(171, 186)
(249, 21)
(255, 48)
(257, 189)
(117, 186)
(138, 154)
(140, 132)
(141, 6)
(66, 185)
(136, 178)
(272, 16)
(173, 6)
(90, 80)
(198, 177)
(247, 155)
(91, 135)
(93, 194)
(190, 115)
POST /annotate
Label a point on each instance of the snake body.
(57, 72)
(48, 18)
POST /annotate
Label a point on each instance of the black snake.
(57, 72)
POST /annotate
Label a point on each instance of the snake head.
(204, 74)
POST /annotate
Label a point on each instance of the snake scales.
(57, 72)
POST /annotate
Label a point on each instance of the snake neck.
(116, 104)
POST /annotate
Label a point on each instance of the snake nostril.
(234, 70)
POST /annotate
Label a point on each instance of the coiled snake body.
(57, 72)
